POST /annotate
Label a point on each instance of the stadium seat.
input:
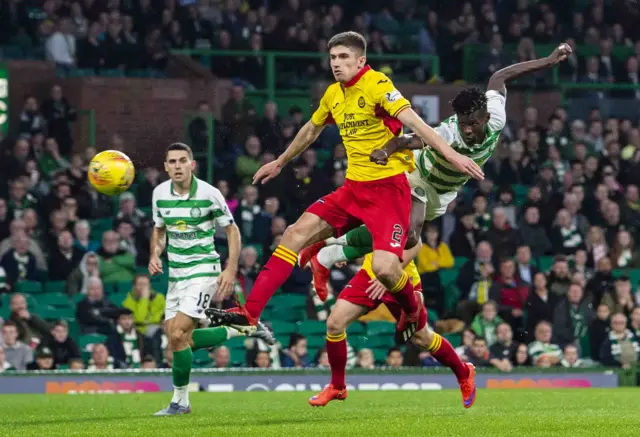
(281, 328)
(201, 358)
(28, 287)
(312, 327)
(316, 341)
(288, 314)
(356, 328)
(110, 288)
(455, 339)
(124, 286)
(76, 298)
(54, 299)
(545, 263)
(432, 316)
(236, 342)
(55, 287)
(447, 276)
(160, 283)
(380, 355)
(51, 313)
(288, 300)
(451, 295)
(357, 342)
(238, 357)
(380, 328)
(5, 312)
(459, 261)
(118, 298)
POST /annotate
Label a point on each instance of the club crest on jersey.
(420, 191)
(361, 102)
(195, 212)
(393, 96)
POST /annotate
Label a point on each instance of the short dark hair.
(393, 349)
(10, 323)
(352, 40)
(61, 322)
(294, 339)
(480, 338)
(469, 100)
(179, 146)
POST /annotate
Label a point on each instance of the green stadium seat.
(238, 357)
(5, 312)
(312, 327)
(459, 261)
(380, 355)
(455, 339)
(110, 287)
(376, 328)
(356, 328)
(281, 328)
(76, 298)
(118, 298)
(112, 73)
(288, 314)
(48, 312)
(357, 341)
(316, 341)
(124, 286)
(29, 287)
(451, 296)
(545, 263)
(447, 276)
(236, 342)
(288, 300)
(55, 287)
(201, 358)
(54, 299)
(381, 341)
(432, 315)
(160, 283)
(86, 342)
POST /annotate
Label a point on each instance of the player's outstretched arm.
(465, 165)
(381, 156)
(498, 80)
(303, 139)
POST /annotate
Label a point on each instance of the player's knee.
(335, 325)
(423, 338)
(178, 338)
(385, 267)
(295, 236)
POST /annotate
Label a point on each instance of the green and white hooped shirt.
(190, 222)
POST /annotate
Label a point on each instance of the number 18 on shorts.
(190, 297)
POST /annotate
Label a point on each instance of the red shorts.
(383, 206)
(355, 293)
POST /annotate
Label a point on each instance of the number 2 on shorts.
(204, 301)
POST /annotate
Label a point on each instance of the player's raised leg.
(440, 348)
(342, 315)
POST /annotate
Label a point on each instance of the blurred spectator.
(296, 354)
(4, 364)
(44, 360)
(571, 358)
(262, 360)
(566, 238)
(247, 165)
(5, 220)
(146, 304)
(394, 358)
(480, 208)
(468, 335)
(95, 313)
(65, 258)
(78, 280)
(76, 364)
(596, 246)
(559, 278)
(59, 115)
(52, 160)
(101, 360)
(269, 129)
(540, 304)
(465, 236)
(16, 353)
(602, 282)
(19, 198)
(221, 357)
(129, 211)
(240, 115)
(433, 256)
(485, 324)
(480, 356)
(525, 270)
(247, 212)
(521, 357)
(148, 362)
(61, 46)
(82, 232)
(365, 359)
(322, 359)
(63, 347)
(572, 317)
(620, 300)
(542, 352)
(510, 293)
(126, 344)
(31, 120)
(504, 347)
(475, 281)
(624, 254)
(18, 263)
(116, 264)
(621, 347)
(502, 237)
(32, 330)
(19, 227)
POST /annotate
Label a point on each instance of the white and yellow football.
(111, 172)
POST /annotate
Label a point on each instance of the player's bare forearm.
(409, 118)
(498, 80)
(158, 241)
(303, 139)
(410, 254)
(235, 245)
(381, 156)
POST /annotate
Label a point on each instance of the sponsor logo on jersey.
(393, 96)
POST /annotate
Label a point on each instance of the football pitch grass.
(523, 413)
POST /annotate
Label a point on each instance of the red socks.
(337, 351)
(442, 351)
(272, 276)
(403, 292)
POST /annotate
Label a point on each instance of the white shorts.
(435, 204)
(190, 297)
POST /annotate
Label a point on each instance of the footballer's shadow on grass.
(70, 420)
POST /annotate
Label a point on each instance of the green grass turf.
(523, 413)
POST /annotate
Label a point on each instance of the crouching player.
(363, 294)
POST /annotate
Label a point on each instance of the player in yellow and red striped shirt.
(368, 111)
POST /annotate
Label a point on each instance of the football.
(111, 172)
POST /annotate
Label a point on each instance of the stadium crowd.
(534, 266)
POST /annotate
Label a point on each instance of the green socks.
(361, 238)
(210, 337)
(181, 369)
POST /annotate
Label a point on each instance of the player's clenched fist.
(155, 265)
(267, 172)
(467, 166)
